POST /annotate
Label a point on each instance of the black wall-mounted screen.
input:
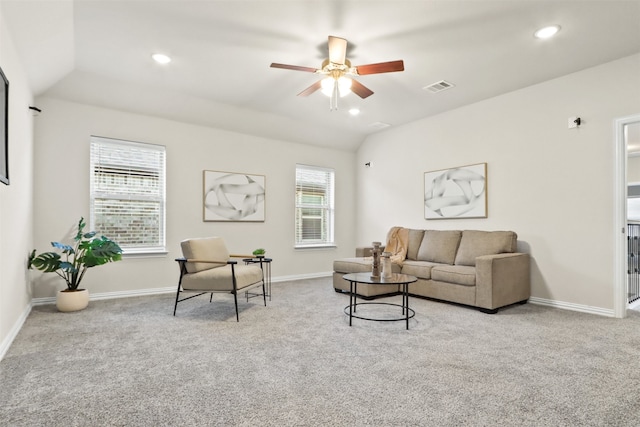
(4, 129)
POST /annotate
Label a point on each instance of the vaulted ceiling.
(99, 53)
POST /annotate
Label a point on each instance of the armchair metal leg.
(235, 298)
(264, 293)
(175, 307)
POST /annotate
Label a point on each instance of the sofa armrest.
(502, 279)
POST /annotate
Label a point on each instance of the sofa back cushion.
(415, 239)
(439, 246)
(476, 243)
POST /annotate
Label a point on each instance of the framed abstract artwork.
(230, 196)
(456, 193)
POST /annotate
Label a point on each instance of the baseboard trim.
(573, 307)
(13, 333)
(169, 289)
(111, 295)
(301, 277)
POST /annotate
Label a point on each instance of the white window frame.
(324, 181)
(154, 162)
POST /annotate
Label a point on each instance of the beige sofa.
(471, 267)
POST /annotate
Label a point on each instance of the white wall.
(550, 184)
(62, 192)
(16, 200)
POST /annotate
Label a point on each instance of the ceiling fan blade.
(314, 87)
(359, 89)
(337, 50)
(382, 67)
(294, 67)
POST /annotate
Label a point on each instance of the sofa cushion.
(352, 265)
(478, 243)
(420, 269)
(415, 238)
(458, 274)
(439, 246)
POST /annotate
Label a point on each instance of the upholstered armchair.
(206, 267)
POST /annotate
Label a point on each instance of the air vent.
(439, 86)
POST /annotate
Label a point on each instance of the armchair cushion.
(220, 279)
(205, 248)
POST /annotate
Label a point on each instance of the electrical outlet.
(572, 122)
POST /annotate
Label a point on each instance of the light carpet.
(296, 362)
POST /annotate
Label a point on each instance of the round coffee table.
(402, 280)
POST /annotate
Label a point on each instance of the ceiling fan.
(336, 68)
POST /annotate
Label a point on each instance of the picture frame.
(4, 128)
(233, 197)
(459, 192)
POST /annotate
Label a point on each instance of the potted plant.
(72, 262)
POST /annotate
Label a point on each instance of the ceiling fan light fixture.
(328, 86)
(344, 85)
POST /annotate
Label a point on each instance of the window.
(314, 206)
(128, 194)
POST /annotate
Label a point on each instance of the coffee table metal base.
(378, 319)
(398, 279)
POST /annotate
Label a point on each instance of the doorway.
(627, 137)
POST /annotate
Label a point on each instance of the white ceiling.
(98, 52)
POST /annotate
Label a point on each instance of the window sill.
(145, 254)
(323, 246)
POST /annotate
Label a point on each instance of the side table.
(265, 265)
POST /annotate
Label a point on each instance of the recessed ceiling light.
(161, 58)
(354, 111)
(546, 32)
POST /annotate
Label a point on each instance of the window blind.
(314, 217)
(127, 193)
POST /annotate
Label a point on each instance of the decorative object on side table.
(259, 252)
(87, 251)
(375, 266)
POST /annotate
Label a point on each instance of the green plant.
(259, 251)
(73, 261)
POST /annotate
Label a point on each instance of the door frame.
(620, 302)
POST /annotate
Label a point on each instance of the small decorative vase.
(375, 265)
(386, 265)
(68, 301)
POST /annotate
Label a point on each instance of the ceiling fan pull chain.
(334, 95)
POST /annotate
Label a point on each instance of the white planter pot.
(68, 301)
